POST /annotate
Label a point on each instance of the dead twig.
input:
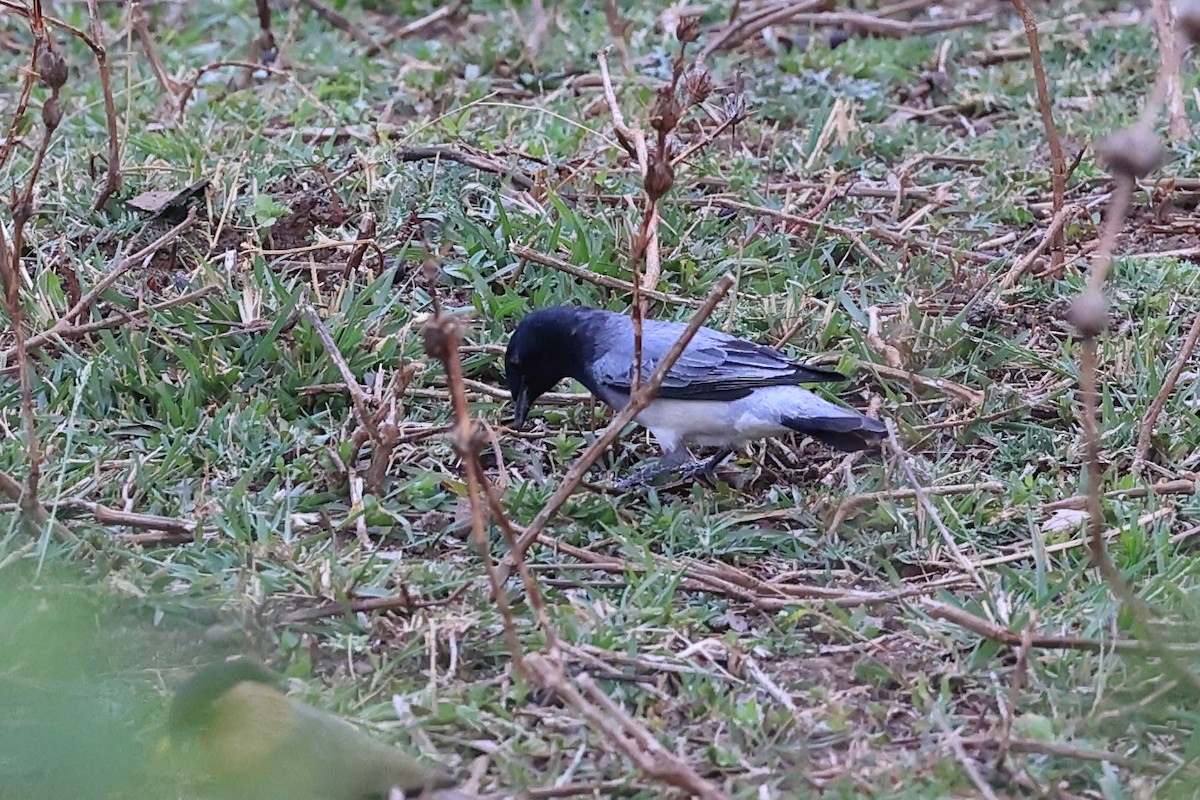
(545, 669)
(1053, 233)
(356, 32)
(441, 339)
(112, 170)
(850, 503)
(132, 519)
(972, 397)
(628, 735)
(34, 343)
(930, 509)
(170, 87)
(805, 13)
(478, 161)
(1130, 154)
(1001, 635)
(52, 72)
(367, 605)
(1068, 750)
(607, 281)
(266, 37)
(64, 326)
(1079, 502)
(38, 518)
(29, 75)
(1058, 161)
(645, 244)
(1164, 393)
(357, 397)
(445, 13)
(954, 741)
(1168, 46)
(366, 236)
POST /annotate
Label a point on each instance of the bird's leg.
(672, 461)
(706, 467)
(677, 461)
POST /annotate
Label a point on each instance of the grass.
(206, 411)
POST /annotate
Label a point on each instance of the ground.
(813, 627)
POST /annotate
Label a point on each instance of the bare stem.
(1058, 161)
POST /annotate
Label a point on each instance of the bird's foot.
(688, 470)
(646, 476)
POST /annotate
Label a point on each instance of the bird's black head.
(545, 348)
(192, 709)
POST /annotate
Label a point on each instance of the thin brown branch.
(477, 161)
(37, 341)
(930, 509)
(705, 140)
(361, 605)
(265, 35)
(442, 337)
(632, 139)
(854, 501)
(1168, 50)
(132, 519)
(607, 281)
(1001, 635)
(170, 87)
(1068, 750)
(1058, 161)
(28, 76)
(629, 736)
(740, 28)
(35, 518)
(1164, 393)
(1053, 233)
(63, 325)
(331, 15)
(52, 72)
(366, 237)
(357, 397)
(112, 172)
(445, 13)
(806, 13)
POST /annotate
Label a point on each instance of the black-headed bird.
(722, 392)
(252, 741)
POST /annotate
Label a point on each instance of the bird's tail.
(846, 430)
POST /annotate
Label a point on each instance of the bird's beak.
(521, 404)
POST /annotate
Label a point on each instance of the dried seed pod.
(437, 334)
(51, 113)
(1133, 152)
(734, 106)
(697, 85)
(52, 69)
(687, 30)
(660, 177)
(666, 112)
(431, 270)
(1089, 313)
(1187, 19)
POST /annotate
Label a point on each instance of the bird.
(250, 740)
(722, 391)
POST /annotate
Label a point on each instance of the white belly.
(713, 423)
(708, 423)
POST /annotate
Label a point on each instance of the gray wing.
(715, 365)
